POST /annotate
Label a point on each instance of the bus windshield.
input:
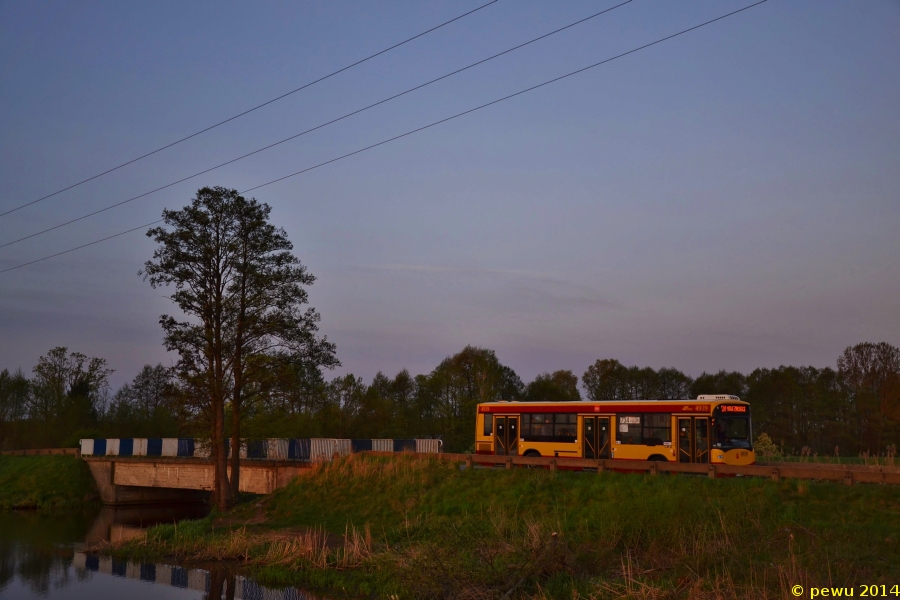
(731, 432)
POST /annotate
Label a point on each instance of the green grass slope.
(424, 528)
(46, 482)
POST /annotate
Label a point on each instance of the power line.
(526, 90)
(249, 110)
(109, 237)
(287, 139)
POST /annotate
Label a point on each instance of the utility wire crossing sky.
(250, 110)
(729, 202)
(381, 143)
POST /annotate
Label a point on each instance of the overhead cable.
(302, 133)
(471, 110)
(249, 110)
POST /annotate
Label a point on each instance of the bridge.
(151, 480)
(164, 471)
(134, 471)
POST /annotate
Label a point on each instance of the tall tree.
(606, 379)
(151, 389)
(673, 384)
(450, 393)
(870, 374)
(723, 382)
(67, 392)
(242, 291)
(559, 386)
(270, 292)
(14, 390)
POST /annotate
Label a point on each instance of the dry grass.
(419, 528)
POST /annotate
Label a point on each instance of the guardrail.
(42, 452)
(848, 474)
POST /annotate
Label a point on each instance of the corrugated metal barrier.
(361, 445)
(202, 449)
(303, 449)
(383, 445)
(170, 447)
(298, 449)
(154, 446)
(321, 449)
(112, 447)
(343, 447)
(140, 447)
(257, 449)
(404, 445)
(277, 449)
(186, 447)
(428, 446)
(126, 447)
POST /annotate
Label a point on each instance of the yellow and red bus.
(710, 429)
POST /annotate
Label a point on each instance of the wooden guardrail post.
(848, 478)
(509, 462)
(711, 472)
(601, 465)
(468, 461)
(552, 464)
(653, 469)
(775, 474)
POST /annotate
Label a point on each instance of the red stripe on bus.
(600, 409)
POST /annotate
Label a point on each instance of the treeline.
(852, 408)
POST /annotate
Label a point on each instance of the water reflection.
(41, 557)
(123, 523)
(213, 583)
(36, 552)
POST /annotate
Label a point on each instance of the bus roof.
(704, 399)
(613, 406)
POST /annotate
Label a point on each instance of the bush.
(766, 448)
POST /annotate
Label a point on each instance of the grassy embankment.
(45, 482)
(423, 528)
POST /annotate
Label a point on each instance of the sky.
(727, 199)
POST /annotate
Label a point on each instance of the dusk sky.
(728, 199)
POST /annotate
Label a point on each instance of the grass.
(885, 460)
(45, 482)
(421, 528)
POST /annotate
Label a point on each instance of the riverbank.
(45, 482)
(419, 527)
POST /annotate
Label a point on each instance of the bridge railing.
(299, 449)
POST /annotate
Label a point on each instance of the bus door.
(701, 439)
(693, 439)
(506, 435)
(595, 437)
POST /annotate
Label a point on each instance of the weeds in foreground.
(419, 528)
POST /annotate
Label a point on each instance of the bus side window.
(628, 429)
(488, 424)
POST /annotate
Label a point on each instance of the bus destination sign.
(733, 408)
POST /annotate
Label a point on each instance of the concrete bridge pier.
(113, 494)
(139, 480)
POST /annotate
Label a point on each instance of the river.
(41, 557)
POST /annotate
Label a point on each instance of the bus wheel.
(658, 458)
(532, 454)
